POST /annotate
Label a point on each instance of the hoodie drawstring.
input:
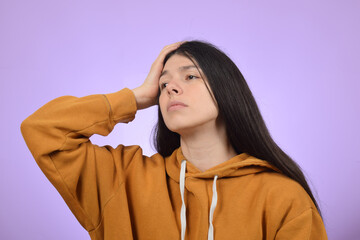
(183, 207)
(212, 209)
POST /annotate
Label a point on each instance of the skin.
(187, 87)
(203, 138)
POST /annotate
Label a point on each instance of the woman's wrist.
(140, 99)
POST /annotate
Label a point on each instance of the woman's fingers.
(168, 48)
(157, 66)
(146, 94)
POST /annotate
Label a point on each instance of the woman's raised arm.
(85, 175)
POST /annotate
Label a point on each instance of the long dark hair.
(245, 126)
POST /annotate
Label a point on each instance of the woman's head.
(236, 108)
(220, 90)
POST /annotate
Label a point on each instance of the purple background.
(300, 59)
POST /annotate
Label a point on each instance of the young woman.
(217, 174)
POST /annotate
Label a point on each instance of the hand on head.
(146, 93)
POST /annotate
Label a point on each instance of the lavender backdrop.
(300, 58)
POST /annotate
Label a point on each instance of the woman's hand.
(146, 94)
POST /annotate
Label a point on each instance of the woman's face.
(185, 102)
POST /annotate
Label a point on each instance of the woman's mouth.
(175, 105)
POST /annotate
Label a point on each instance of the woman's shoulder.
(284, 193)
(280, 184)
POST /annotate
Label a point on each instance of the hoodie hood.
(239, 165)
(178, 168)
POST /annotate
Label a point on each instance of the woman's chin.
(183, 130)
(178, 128)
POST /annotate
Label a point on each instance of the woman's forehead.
(176, 60)
(180, 63)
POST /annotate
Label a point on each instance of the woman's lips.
(175, 105)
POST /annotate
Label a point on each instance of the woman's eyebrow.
(183, 68)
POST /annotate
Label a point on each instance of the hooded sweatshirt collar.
(239, 165)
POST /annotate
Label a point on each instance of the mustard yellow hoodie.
(122, 194)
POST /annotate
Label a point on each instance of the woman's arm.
(85, 175)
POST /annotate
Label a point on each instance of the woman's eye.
(191, 77)
(163, 85)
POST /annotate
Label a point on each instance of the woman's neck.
(207, 148)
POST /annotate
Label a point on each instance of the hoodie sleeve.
(307, 225)
(85, 175)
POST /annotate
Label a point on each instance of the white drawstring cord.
(183, 207)
(212, 209)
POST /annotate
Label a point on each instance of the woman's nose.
(173, 88)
